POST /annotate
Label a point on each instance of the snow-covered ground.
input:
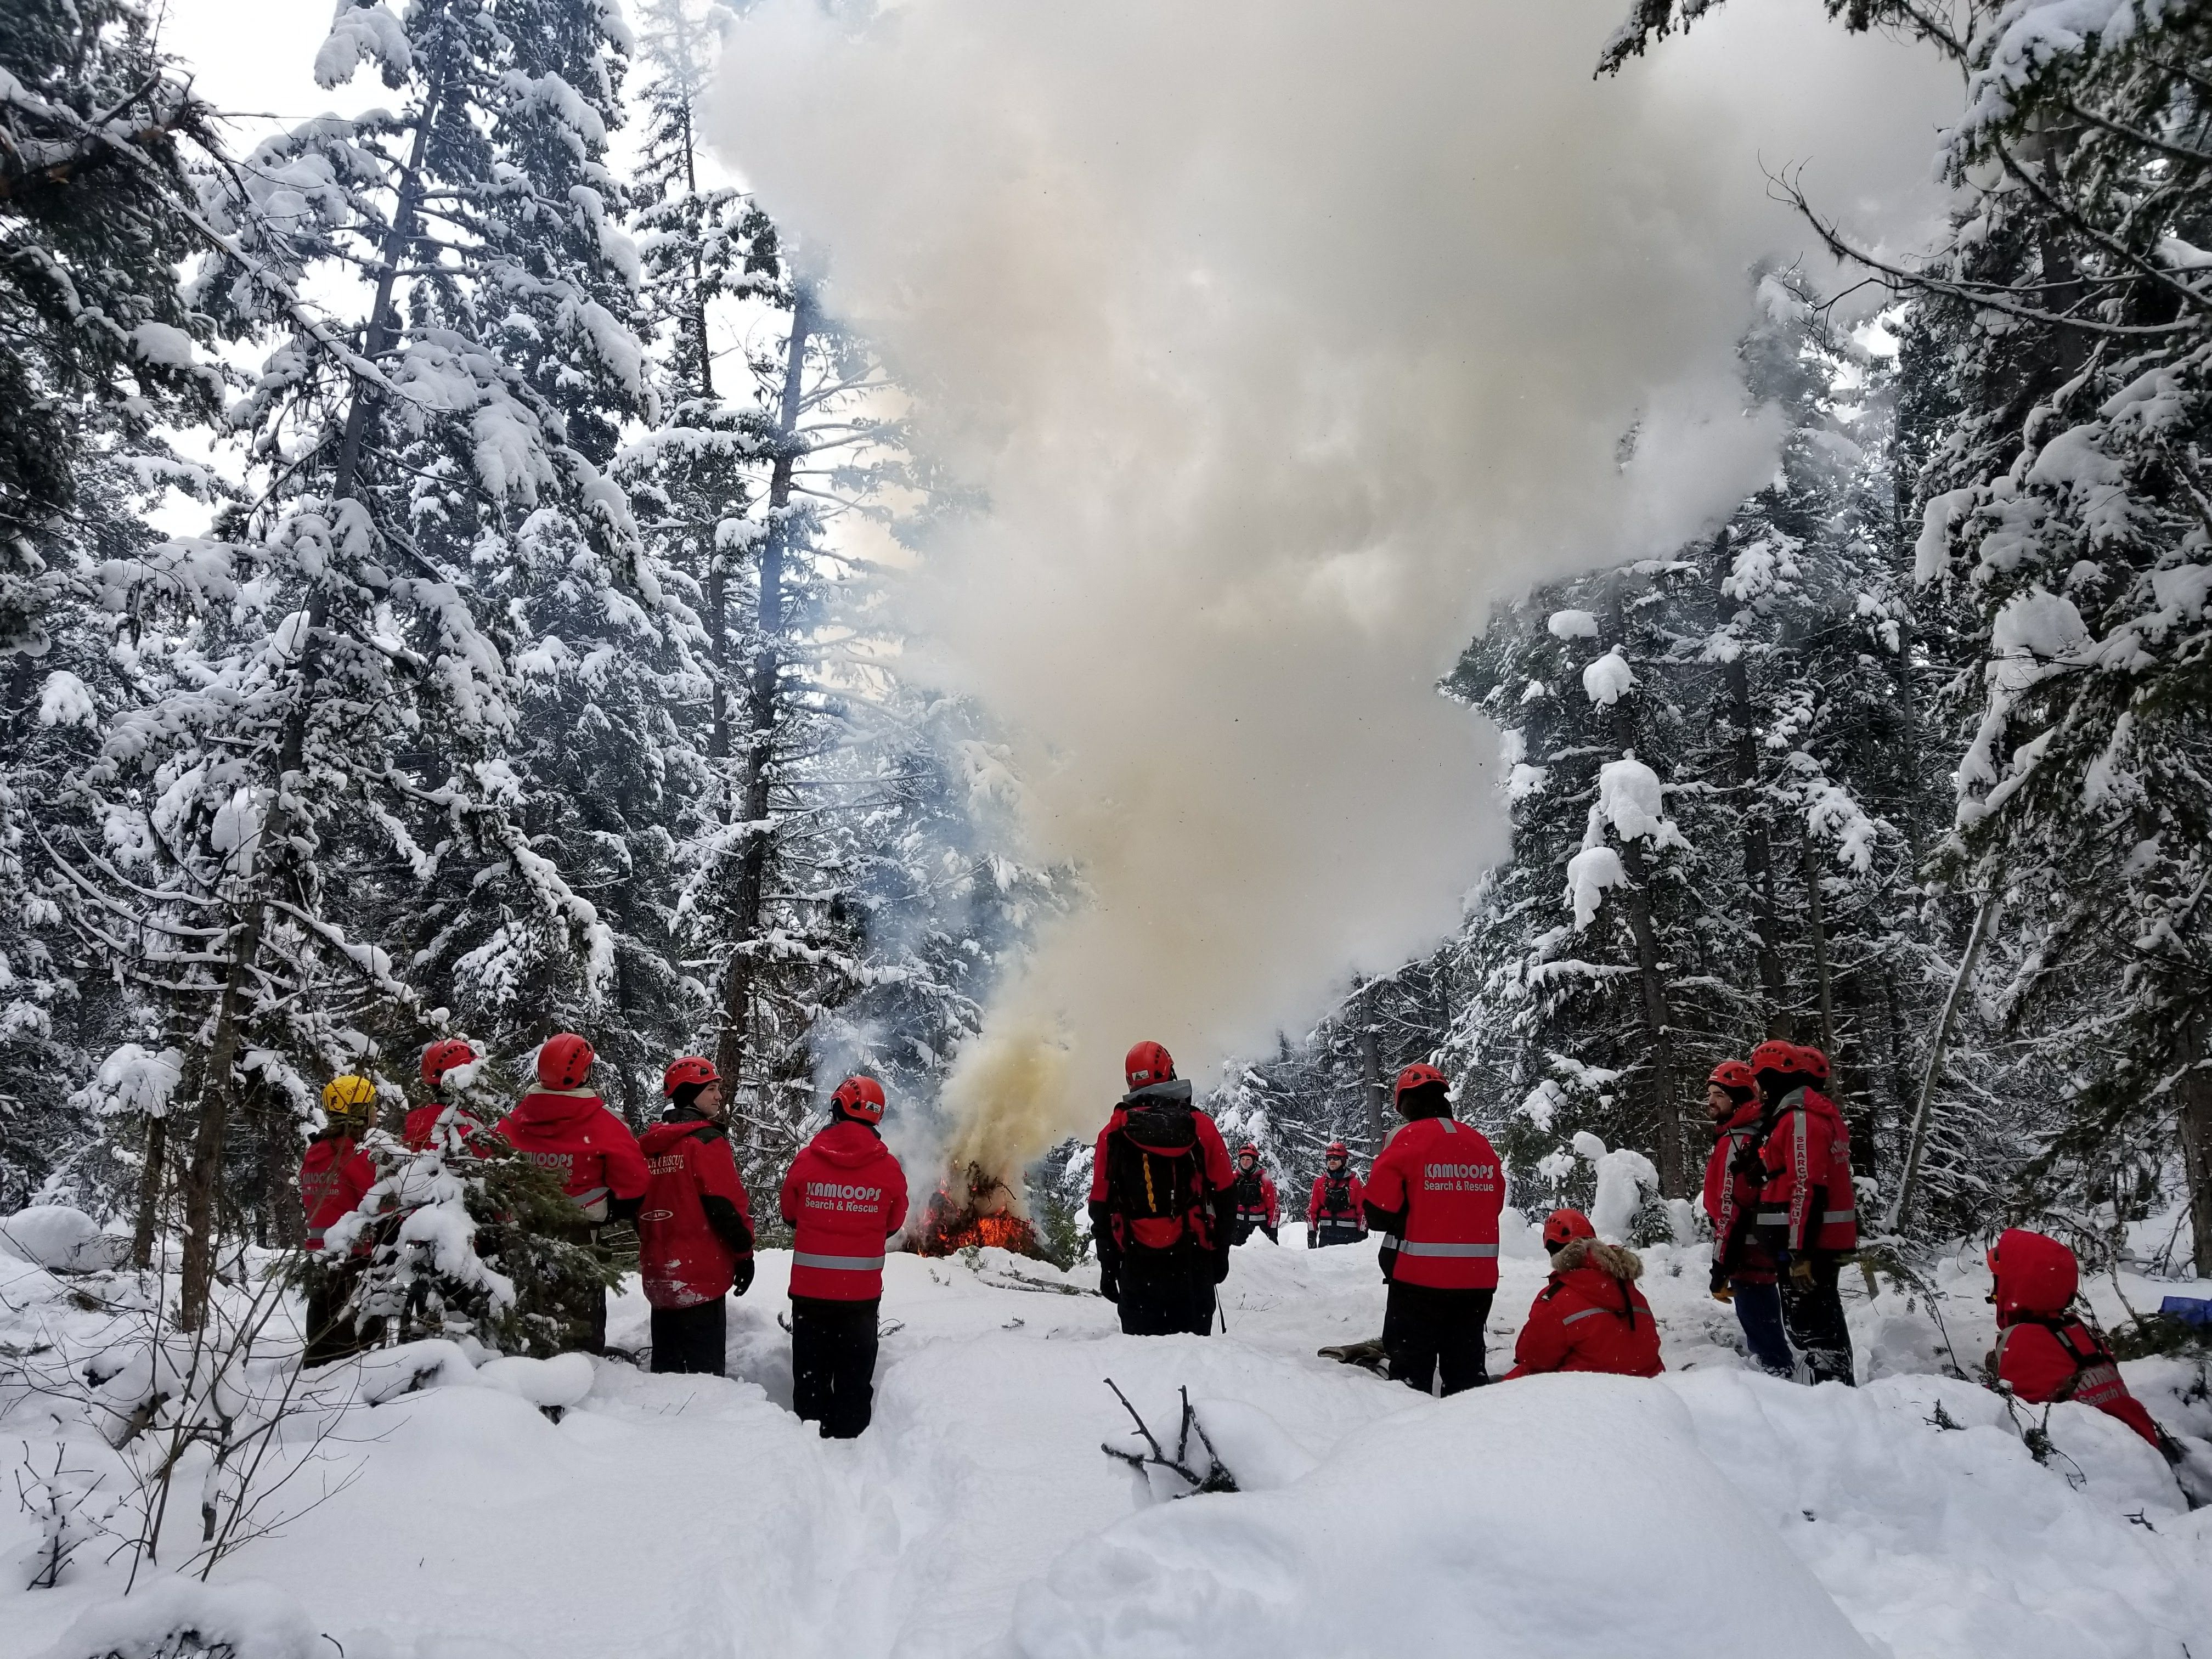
(1710, 1512)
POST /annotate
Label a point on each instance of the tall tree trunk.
(151, 1180)
(1756, 852)
(1650, 976)
(1370, 1060)
(763, 710)
(1816, 927)
(2196, 1126)
(256, 874)
(1916, 1144)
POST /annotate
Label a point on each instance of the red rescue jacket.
(1443, 1183)
(1589, 1316)
(334, 1176)
(1258, 1206)
(1342, 1212)
(695, 1222)
(1174, 1179)
(420, 1130)
(845, 1195)
(570, 1131)
(1808, 1202)
(2044, 1353)
(1732, 1199)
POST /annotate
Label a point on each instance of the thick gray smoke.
(1283, 336)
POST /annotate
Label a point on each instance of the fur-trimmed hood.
(1610, 1260)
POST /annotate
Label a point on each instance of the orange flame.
(981, 1215)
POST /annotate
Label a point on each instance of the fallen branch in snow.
(1217, 1477)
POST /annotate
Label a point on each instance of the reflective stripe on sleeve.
(1587, 1313)
(842, 1264)
(585, 1200)
(1774, 1218)
(1447, 1249)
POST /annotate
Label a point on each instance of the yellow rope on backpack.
(1152, 1203)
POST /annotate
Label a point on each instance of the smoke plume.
(1282, 337)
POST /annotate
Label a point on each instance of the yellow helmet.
(349, 1096)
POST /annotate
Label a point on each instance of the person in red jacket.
(1336, 1213)
(1589, 1316)
(562, 1125)
(1256, 1206)
(334, 1176)
(2044, 1353)
(1743, 1269)
(1435, 1194)
(694, 1231)
(421, 1130)
(1808, 1214)
(845, 1195)
(1163, 1202)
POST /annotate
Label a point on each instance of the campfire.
(972, 1209)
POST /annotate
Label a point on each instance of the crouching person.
(696, 1232)
(845, 1196)
(2044, 1353)
(1589, 1316)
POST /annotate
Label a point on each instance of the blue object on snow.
(2189, 1310)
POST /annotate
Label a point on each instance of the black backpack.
(1154, 1186)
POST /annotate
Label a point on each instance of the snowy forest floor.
(1712, 1512)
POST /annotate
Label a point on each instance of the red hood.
(544, 1108)
(661, 1136)
(1745, 1116)
(849, 1144)
(2035, 1275)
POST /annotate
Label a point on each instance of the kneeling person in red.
(844, 1197)
(1589, 1316)
(695, 1232)
(2044, 1353)
(1435, 1194)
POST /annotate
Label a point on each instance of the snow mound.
(1565, 1515)
(250, 1620)
(552, 1384)
(60, 1239)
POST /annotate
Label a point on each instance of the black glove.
(1274, 1235)
(1220, 1266)
(1109, 1280)
(741, 1275)
(1387, 1259)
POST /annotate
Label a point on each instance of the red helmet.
(441, 1056)
(1733, 1074)
(1562, 1227)
(1247, 1150)
(861, 1098)
(692, 1069)
(1336, 1149)
(1786, 1058)
(565, 1061)
(1419, 1075)
(1815, 1064)
(1148, 1063)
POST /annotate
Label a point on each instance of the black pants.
(1814, 1314)
(332, 1331)
(691, 1341)
(1162, 1296)
(1426, 1330)
(1329, 1232)
(833, 1365)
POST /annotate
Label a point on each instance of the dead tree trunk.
(1756, 852)
(763, 709)
(151, 1180)
(1916, 1143)
(267, 857)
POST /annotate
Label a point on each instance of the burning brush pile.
(973, 1208)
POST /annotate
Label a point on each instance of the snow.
(663, 1516)
(1608, 679)
(257, 1621)
(2034, 626)
(1572, 625)
(1590, 872)
(163, 345)
(58, 1238)
(1624, 1176)
(1631, 799)
(64, 700)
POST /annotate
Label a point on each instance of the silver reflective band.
(1831, 1216)
(1587, 1313)
(1389, 1242)
(844, 1264)
(1447, 1249)
(1774, 1218)
(585, 1200)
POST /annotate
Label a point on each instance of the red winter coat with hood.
(570, 1132)
(334, 1176)
(1732, 1199)
(695, 1225)
(2043, 1352)
(1349, 1218)
(845, 1196)
(1808, 1202)
(1589, 1316)
(1442, 1182)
